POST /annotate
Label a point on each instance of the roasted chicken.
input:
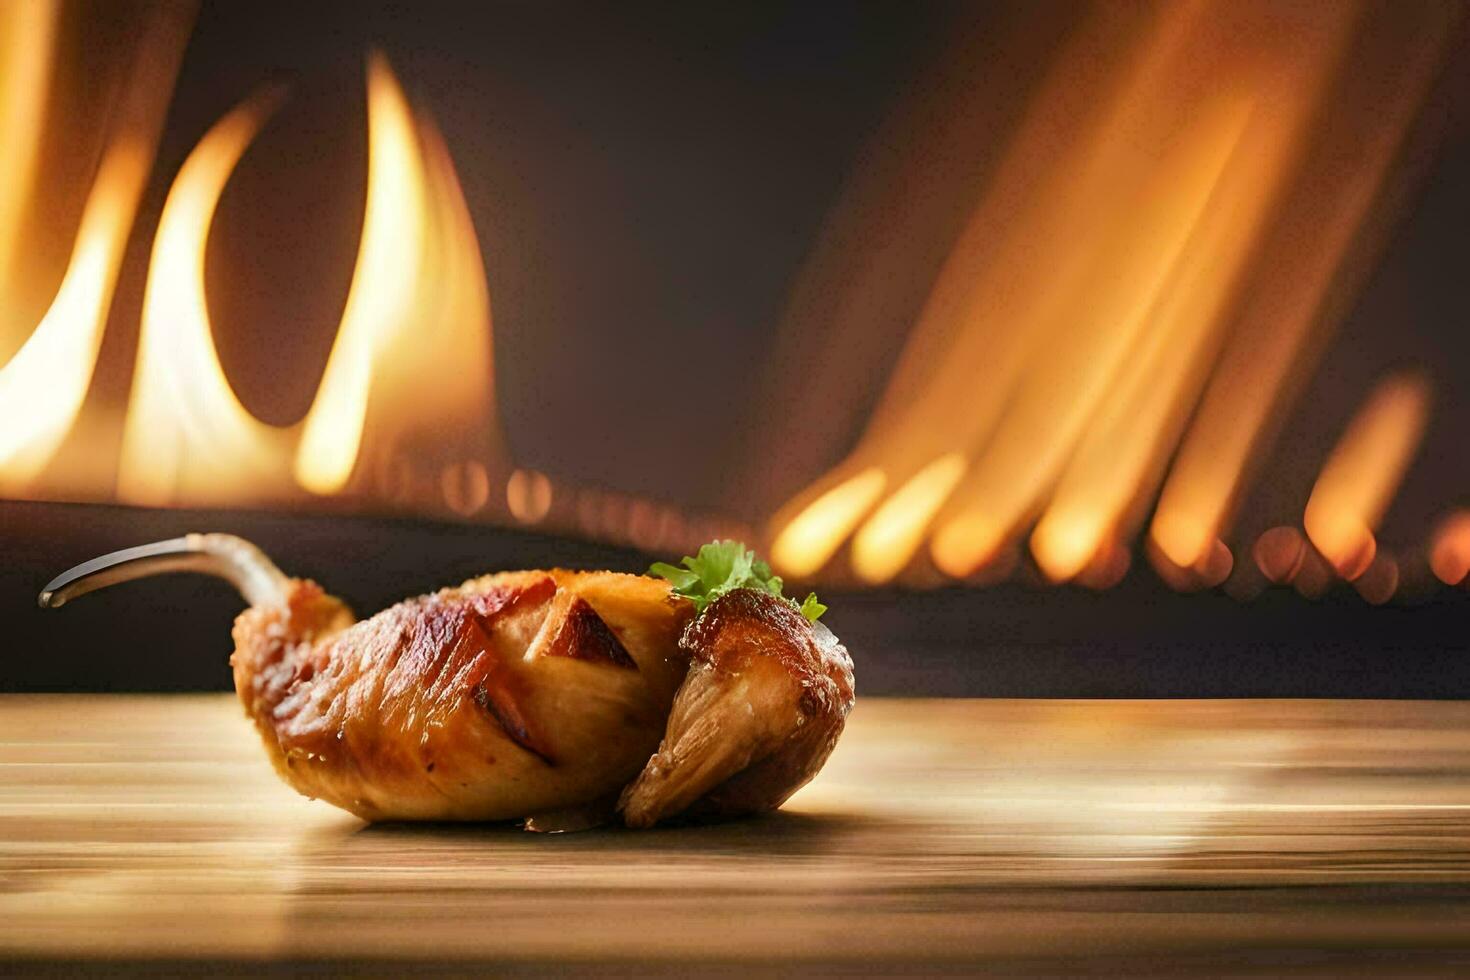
(557, 697)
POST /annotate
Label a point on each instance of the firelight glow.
(1361, 476)
(380, 299)
(186, 433)
(891, 536)
(44, 384)
(809, 539)
(27, 49)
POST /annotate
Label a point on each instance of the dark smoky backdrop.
(649, 183)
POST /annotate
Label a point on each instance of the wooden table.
(1022, 836)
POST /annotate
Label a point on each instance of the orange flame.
(412, 353)
(186, 433)
(808, 540)
(382, 294)
(1109, 312)
(27, 40)
(1282, 323)
(1362, 474)
(417, 320)
(42, 388)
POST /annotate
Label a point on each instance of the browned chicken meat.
(765, 698)
(550, 696)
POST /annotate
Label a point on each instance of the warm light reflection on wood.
(1361, 476)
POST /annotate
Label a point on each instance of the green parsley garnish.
(722, 566)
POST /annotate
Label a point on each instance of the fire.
(186, 433)
(1125, 307)
(1171, 240)
(27, 41)
(412, 352)
(1281, 326)
(1109, 313)
(382, 293)
(43, 385)
(890, 537)
(1365, 468)
(809, 540)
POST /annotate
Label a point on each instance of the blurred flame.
(44, 384)
(894, 532)
(1282, 323)
(1084, 305)
(382, 294)
(411, 361)
(1110, 311)
(1361, 476)
(186, 433)
(27, 43)
(1121, 456)
(809, 540)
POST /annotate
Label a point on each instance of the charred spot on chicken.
(564, 699)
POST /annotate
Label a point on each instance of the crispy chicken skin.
(765, 700)
(508, 696)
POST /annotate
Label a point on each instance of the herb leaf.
(722, 566)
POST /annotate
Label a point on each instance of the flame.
(43, 386)
(1109, 313)
(809, 540)
(890, 537)
(1363, 472)
(27, 41)
(186, 433)
(381, 297)
(1282, 325)
(1119, 460)
(411, 361)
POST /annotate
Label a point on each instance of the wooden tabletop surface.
(1253, 837)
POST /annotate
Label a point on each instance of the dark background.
(647, 181)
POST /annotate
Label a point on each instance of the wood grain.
(1026, 836)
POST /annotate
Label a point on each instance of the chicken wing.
(541, 695)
